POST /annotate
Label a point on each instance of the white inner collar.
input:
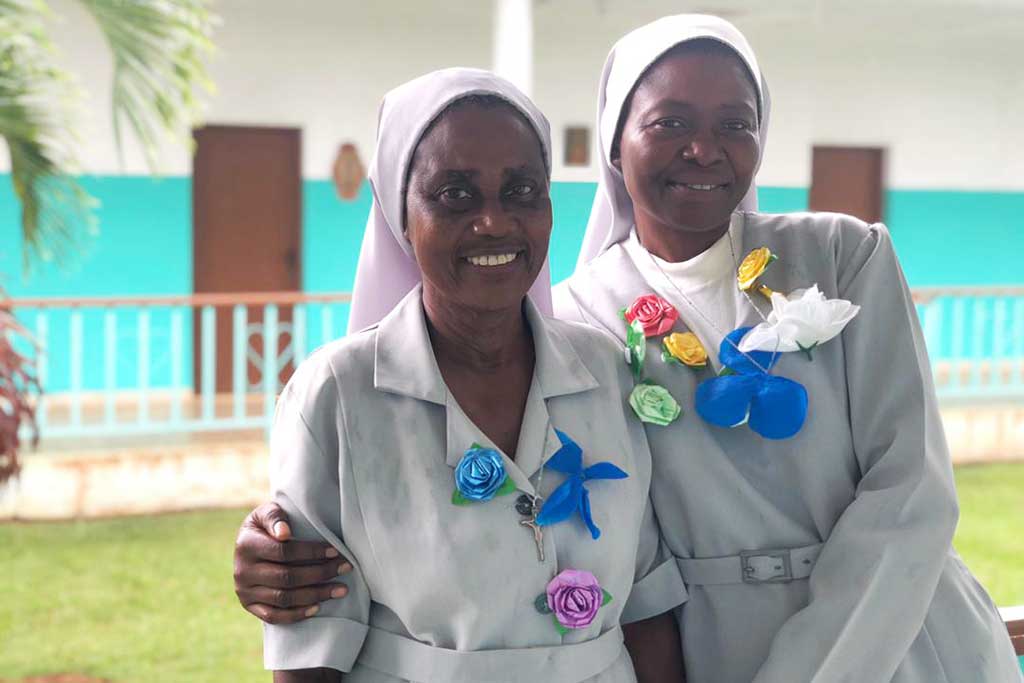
(707, 267)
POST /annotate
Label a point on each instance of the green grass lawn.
(149, 599)
(990, 536)
(136, 600)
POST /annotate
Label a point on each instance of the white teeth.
(493, 259)
(705, 188)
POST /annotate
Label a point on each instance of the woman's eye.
(521, 190)
(454, 194)
(737, 125)
(669, 123)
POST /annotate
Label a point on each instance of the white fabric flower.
(799, 322)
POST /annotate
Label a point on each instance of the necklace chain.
(746, 295)
(537, 499)
(706, 318)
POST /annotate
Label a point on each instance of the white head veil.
(387, 269)
(611, 218)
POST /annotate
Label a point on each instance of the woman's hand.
(656, 649)
(279, 580)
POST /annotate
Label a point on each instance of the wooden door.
(848, 180)
(246, 226)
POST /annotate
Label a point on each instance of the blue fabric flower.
(744, 363)
(480, 474)
(774, 407)
(571, 495)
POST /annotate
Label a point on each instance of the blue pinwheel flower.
(774, 407)
(571, 495)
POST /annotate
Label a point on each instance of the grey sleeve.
(657, 585)
(309, 482)
(874, 580)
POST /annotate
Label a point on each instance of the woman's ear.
(616, 158)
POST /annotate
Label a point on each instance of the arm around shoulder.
(311, 479)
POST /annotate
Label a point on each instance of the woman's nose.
(492, 222)
(703, 149)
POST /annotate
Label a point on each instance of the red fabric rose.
(655, 314)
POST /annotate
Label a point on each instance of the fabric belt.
(751, 566)
(415, 661)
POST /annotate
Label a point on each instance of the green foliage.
(36, 110)
(158, 50)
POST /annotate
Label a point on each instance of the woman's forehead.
(708, 77)
(472, 139)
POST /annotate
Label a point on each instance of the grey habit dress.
(364, 447)
(825, 557)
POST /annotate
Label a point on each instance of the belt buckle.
(766, 566)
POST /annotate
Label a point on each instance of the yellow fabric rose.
(687, 349)
(753, 266)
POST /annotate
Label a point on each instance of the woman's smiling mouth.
(700, 187)
(491, 260)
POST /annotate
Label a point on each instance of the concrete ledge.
(139, 480)
(986, 433)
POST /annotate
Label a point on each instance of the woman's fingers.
(256, 545)
(283, 594)
(271, 519)
(280, 581)
(275, 615)
(291, 576)
(294, 598)
(256, 542)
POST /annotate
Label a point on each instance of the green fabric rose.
(653, 404)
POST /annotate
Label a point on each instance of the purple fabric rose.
(575, 596)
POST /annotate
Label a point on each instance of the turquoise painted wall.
(944, 237)
(958, 238)
(144, 243)
(144, 246)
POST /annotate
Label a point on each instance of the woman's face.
(478, 213)
(689, 146)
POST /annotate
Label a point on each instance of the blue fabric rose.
(774, 407)
(480, 475)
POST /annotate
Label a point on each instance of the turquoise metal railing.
(975, 338)
(126, 366)
(121, 366)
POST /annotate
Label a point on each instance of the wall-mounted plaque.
(577, 146)
(348, 172)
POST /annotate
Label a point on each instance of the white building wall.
(942, 90)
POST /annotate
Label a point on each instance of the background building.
(928, 95)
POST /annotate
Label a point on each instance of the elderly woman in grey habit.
(472, 459)
(805, 488)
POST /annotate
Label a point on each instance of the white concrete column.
(513, 42)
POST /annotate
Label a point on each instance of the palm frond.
(159, 48)
(37, 104)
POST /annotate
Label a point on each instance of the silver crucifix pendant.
(538, 535)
